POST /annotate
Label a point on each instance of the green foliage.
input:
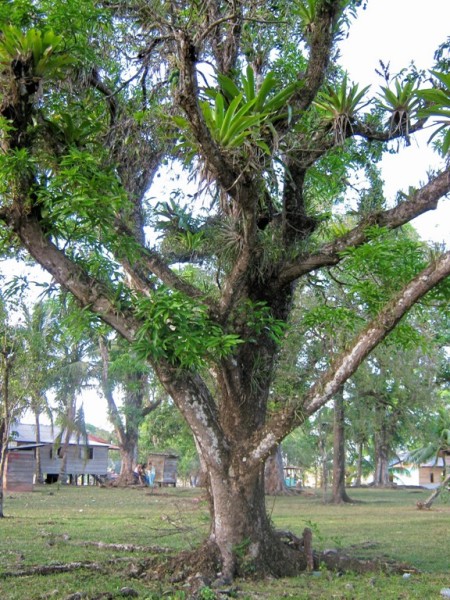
(178, 329)
(380, 267)
(239, 114)
(306, 11)
(339, 106)
(438, 105)
(403, 103)
(437, 436)
(331, 318)
(206, 593)
(42, 47)
(258, 319)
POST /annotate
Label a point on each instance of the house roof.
(26, 433)
(434, 462)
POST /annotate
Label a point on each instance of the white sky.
(398, 32)
(395, 31)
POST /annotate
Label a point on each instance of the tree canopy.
(246, 104)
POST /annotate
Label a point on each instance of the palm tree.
(438, 446)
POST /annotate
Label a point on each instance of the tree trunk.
(429, 501)
(241, 528)
(274, 474)
(324, 462)
(3, 446)
(127, 429)
(38, 472)
(128, 460)
(381, 475)
(7, 358)
(339, 493)
(359, 461)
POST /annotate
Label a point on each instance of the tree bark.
(384, 426)
(3, 446)
(274, 475)
(127, 428)
(241, 528)
(339, 493)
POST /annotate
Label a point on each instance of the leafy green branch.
(438, 105)
(178, 329)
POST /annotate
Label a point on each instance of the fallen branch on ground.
(60, 568)
(127, 547)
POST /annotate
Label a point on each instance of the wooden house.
(83, 460)
(20, 469)
(428, 475)
(165, 468)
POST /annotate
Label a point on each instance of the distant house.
(428, 475)
(83, 460)
(164, 467)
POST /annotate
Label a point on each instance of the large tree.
(246, 100)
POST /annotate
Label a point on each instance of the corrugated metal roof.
(27, 433)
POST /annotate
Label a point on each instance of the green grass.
(51, 526)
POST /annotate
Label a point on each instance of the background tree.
(11, 396)
(394, 389)
(164, 430)
(96, 98)
(125, 370)
(339, 454)
(39, 328)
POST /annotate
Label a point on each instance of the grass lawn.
(54, 526)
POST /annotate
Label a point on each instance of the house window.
(86, 453)
(431, 477)
(59, 453)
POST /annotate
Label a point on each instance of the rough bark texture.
(359, 463)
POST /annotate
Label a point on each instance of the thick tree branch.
(419, 202)
(150, 262)
(347, 363)
(198, 407)
(113, 411)
(187, 97)
(87, 290)
(321, 42)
